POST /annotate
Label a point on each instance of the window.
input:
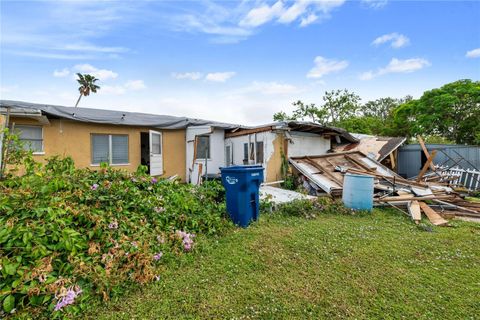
(112, 149)
(228, 156)
(248, 154)
(203, 147)
(31, 136)
(259, 151)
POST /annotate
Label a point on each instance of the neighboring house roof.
(91, 115)
(378, 147)
(300, 126)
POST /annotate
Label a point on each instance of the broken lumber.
(414, 210)
(432, 215)
(426, 165)
(412, 197)
(425, 150)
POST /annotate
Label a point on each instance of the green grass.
(378, 266)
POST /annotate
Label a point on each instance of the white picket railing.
(467, 178)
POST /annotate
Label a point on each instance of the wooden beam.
(432, 215)
(245, 132)
(426, 165)
(425, 150)
(414, 210)
(359, 163)
(392, 160)
(325, 171)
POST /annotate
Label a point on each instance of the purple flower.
(68, 297)
(159, 209)
(154, 180)
(187, 239)
(158, 256)
(113, 225)
(94, 187)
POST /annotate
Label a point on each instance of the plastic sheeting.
(109, 116)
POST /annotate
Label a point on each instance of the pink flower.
(113, 225)
(94, 187)
(158, 256)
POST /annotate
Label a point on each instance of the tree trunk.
(78, 101)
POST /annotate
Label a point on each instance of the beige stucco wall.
(72, 138)
(274, 165)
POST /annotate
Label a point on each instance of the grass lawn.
(370, 266)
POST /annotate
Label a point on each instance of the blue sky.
(233, 61)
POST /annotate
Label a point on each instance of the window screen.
(259, 151)
(100, 148)
(156, 143)
(119, 149)
(31, 136)
(203, 147)
(112, 149)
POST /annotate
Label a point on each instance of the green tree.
(341, 105)
(87, 85)
(452, 112)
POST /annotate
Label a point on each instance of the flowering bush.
(70, 235)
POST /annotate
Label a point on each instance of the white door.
(156, 159)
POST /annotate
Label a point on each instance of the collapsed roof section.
(377, 148)
(299, 126)
(327, 171)
(89, 115)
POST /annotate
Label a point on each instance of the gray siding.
(410, 157)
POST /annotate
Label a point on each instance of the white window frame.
(209, 149)
(36, 153)
(110, 153)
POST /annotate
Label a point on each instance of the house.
(381, 149)
(122, 139)
(272, 144)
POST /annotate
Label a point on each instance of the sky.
(233, 61)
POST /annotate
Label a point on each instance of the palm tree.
(87, 85)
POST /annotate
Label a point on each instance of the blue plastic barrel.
(358, 191)
(242, 184)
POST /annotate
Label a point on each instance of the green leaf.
(10, 268)
(9, 303)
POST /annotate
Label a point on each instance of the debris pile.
(436, 198)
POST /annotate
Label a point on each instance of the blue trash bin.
(242, 184)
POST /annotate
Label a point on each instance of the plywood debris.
(326, 173)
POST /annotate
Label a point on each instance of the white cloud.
(8, 89)
(396, 40)
(61, 73)
(135, 85)
(271, 88)
(311, 18)
(219, 76)
(375, 4)
(475, 53)
(101, 74)
(261, 15)
(187, 75)
(397, 66)
(324, 66)
(131, 85)
(112, 90)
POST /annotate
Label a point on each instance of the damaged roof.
(114, 117)
(300, 126)
(377, 147)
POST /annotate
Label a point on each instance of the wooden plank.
(325, 171)
(432, 215)
(244, 132)
(414, 210)
(425, 150)
(426, 165)
(412, 197)
(359, 163)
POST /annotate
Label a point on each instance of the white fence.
(467, 178)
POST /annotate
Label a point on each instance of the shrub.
(68, 235)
